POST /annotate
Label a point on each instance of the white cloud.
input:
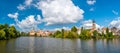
(91, 2)
(88, 24)
(15, 15)
(29, 23)
(55, 29)
(115, 23)
(24, 5)
(21, 7)
(91, 9)
(65, 28)
(39, 18)
(115, 12)
(28, 2)
(59, 11)
(12, 24)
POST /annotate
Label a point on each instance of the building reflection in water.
(31, 45)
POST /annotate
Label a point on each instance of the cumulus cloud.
(115, 23)
(115, 12)
(91, 2)
(15, 15)
(24, 5)
(29, 23)
(88, 24)
(59, 11)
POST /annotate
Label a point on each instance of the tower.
(93, 25)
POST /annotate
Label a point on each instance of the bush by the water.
(7, 32)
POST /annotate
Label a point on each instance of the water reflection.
(31, 44)
(57, 45)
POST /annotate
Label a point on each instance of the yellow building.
(32, 33)
(39, 33)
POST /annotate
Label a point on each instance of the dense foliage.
(7, 32)
(84, 33)
(66, 33)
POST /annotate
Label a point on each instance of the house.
(78, 30)
(118, 32)
(114, 30)
(47, 33)
(32, 33)
(39, 32)
(104, 30)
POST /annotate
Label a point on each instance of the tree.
(12, 31)
(6, 26)
(57, 34)
(1, 26)
(2, 34)
(72, 35)
(82, 29)
(7, 32)
(63, 33)
(95, 33)
(108, 33)
(74, 29)
(85, 34)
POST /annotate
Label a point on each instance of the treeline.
(96, 34)
(8, 32)
(84, 33)
(66, 34)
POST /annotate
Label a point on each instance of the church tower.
(93, 25)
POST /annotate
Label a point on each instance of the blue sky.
(17, 13)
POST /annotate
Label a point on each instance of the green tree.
(12, 32)
(1, 26)
(72, 34)
(95, 33)
(6, 26)
(85, 34)
(57, 34)
(108, 33)
(74, 29)
(2, 34)
(63, 33)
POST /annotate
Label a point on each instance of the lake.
(58, 45)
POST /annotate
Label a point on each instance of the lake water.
(58, 45)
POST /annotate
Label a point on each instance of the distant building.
(93, 25)
(118, 32)
(114, 30)
(78, 30)
(48, 33)
(104, 30)
(32, 33)
(39, 33)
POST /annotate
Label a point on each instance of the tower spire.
(93, 24)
